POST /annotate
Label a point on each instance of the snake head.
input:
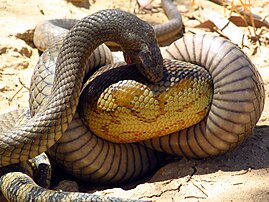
(150, 63)
(138, 40)
(148, 60)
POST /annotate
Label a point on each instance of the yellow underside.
(128, 111)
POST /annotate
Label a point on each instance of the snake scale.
(237, 103)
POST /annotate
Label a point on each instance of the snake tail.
(19, 187)
(171, 30)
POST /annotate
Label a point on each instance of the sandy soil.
(241, 175)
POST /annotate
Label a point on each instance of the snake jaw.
(151, 62)
(146, 54)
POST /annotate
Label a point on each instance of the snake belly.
(194, 141)
(125, 107)
(238, 98)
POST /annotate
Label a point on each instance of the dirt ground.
(241, 175)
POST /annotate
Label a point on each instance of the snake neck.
(136, 38)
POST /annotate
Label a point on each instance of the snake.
(237, 103)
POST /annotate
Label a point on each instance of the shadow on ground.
(250, 155)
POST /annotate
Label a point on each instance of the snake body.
(130, 110)
(35, 135)
(237, 104)
(238, 100)
(89, 157)
(67, 82)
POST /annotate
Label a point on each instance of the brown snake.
(237, 104)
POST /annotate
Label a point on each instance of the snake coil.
(238, 100)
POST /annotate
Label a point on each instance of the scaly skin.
(237, 104)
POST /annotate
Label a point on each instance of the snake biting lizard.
(236, 105)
